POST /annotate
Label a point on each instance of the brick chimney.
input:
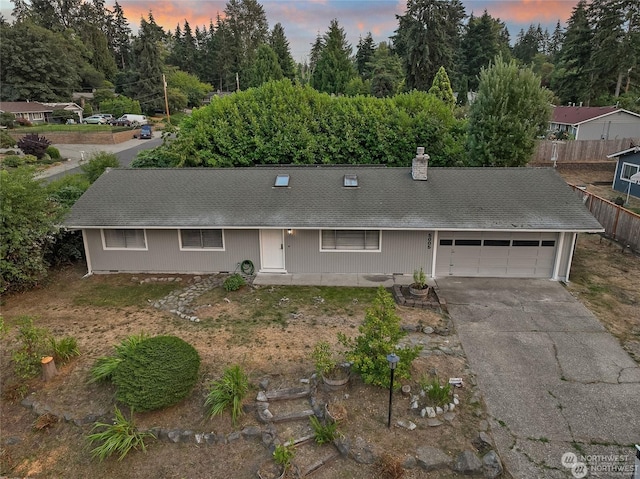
(419, 165)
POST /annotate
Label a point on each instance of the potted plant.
(419, 286)
(332, 372)
(282, 456)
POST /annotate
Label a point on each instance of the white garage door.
(497, 255)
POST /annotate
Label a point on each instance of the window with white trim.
(201, 239)
(350, 240)
(124, 239)
(628, 170)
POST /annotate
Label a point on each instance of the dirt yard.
(270, 331)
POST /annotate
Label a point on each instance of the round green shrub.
(6, 140)
(160, 372)
(53, 152)
(13, 161)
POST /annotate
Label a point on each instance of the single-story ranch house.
(491, 222)
(628, 165)
(595, 122)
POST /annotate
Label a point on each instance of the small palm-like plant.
(283, 454)
(324, 433)
(228, 391)
(438, 394)
(105, 366)
(117, 438)
(64, 349)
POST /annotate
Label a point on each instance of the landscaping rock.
(187, 436)
(251, 431)
(431, 412)
(343, 444)
(483, 425)
(433, 422)
(406, 424)
(467, 463)
(409, 462)
(234, 436)
(210, 438)
(491, 465)
(174, 435)
(449, 416)
(483, 441)
(431, 458)
(362, 452)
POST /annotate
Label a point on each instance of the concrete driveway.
(553, 380)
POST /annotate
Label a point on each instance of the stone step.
(283, 394)
(310, 457)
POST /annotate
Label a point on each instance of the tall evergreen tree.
(483, 40)
(149, 87)
(120, 37)
(280, 45)
(247, 23)
(334, 68)
(264, 68)
(427, 38)
(615, 34)
(571, 79)
(529, 44)
(386, 70)
(364, 56)
(511, 109)
(555, 43)
(226, 59)
(316, 49)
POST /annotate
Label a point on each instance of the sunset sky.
(303, 19)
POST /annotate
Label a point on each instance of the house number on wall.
(429, 241)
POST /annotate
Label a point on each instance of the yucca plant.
(117, 438)
(105, 366)
(439, 395)
(228, 391)
(65, 348)
(324, 433)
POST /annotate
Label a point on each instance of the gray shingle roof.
(386, 198)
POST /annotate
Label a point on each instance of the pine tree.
(364, 56)
(510, 110)
(427, 38)
(334, 68)
(149, 88)
(265, 67)
(555, 43)
(280, 45)
(247, 24)
(571, 80)
(387, 74)
(482, 42)
(120, 37)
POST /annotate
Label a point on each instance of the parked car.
(146, 132)
(132, 120)
(95, 120)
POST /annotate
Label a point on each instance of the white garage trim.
(493, 254)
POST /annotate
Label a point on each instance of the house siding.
(164, 255)
(567, 241)
(625, 186)
(401, 252)
(611, 127)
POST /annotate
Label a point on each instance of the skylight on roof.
(282, 180)
(350, 180)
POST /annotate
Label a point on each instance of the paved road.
(553, 380)
(126, 153)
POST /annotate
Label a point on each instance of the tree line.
(51, 51)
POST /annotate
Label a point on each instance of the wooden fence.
(580, 150)
(620, 224)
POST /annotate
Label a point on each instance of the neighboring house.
(493, 222)
(595, 123)
(30, 110)
(628, 164)
(69, 106)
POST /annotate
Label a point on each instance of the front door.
(272, 251)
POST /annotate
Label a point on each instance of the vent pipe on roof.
(419, 165)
